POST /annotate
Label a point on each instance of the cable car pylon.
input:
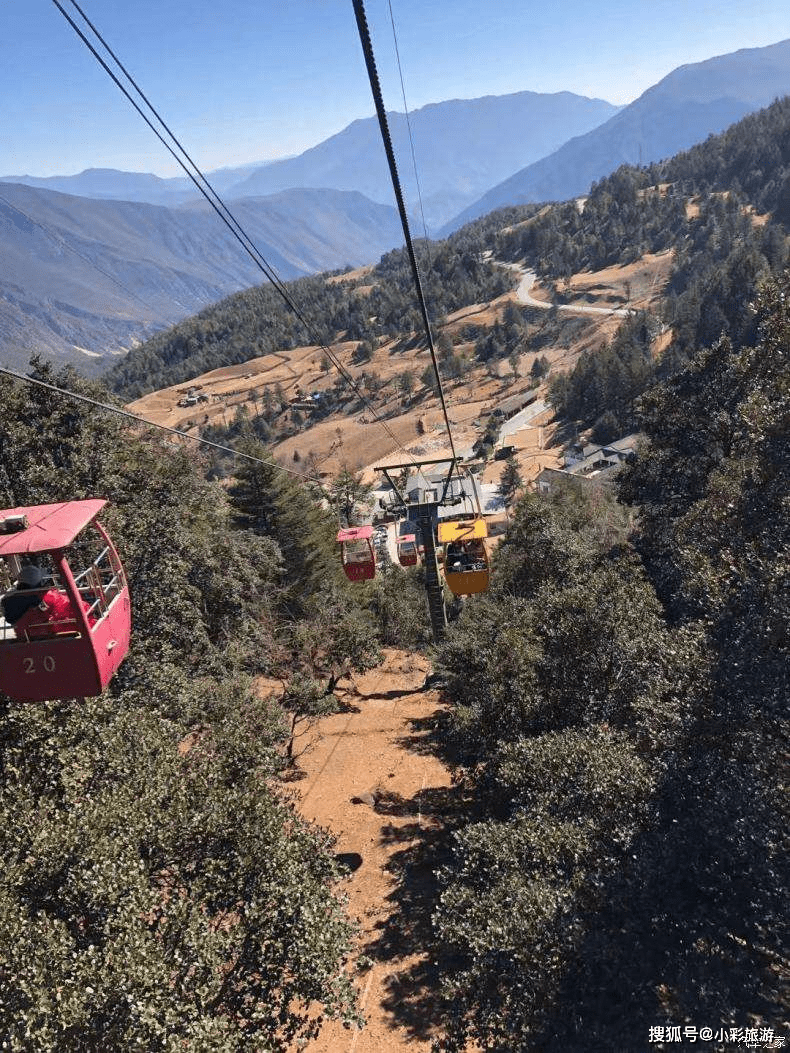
(433, 585)
(423, 509)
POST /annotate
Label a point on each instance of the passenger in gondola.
(458, 558)
(23, 599)
(476, 557)
(454, 559)
(46, 611)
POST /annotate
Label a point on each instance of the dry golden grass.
(358, 440)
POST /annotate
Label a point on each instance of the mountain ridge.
(144, 187)
(461, 152)
(133, 267)
(683, 108)
(442, 134)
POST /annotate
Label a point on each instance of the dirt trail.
(380, 751)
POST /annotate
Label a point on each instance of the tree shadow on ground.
(428, 735)
(344, 705)
(292, 775)
(389, 695)
(348, 861)
(427, 804)
(347, 707)
(411, 996)
(565, 433)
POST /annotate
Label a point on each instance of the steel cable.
(375, 86)
(218, 205)
(152, 424)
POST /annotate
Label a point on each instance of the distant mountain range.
(95, 262)
(114, 185)
(684, 108)
(462, 148)
(83, 280)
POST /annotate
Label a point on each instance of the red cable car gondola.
(359, 561)
(407, 550)
(74, 635)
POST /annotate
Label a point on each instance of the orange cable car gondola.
(407, 550)
(66, 627)
(466, 568)
(359, 561)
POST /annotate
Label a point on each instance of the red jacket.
(53, 615)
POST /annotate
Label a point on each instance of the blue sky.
(251, 80)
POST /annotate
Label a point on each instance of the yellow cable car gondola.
(466, 569)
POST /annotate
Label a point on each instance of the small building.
(583, 458)
(588, 464)
(512, 405)
(464, 495)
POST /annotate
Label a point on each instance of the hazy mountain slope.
(112, 184)
(315, 230)
(462, 147)
(133, 186)
(685, 107)
(85, 277)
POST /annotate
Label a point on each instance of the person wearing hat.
(40, 610)
(18, 603)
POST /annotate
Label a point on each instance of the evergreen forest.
(721, 208)
(158, 891)
(620, 724)
(616, 859)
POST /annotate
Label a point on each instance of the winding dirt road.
(528, 279)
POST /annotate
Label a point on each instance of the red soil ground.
(380, 752)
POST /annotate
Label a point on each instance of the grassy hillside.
(257, 321)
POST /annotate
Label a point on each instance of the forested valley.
(615, 705)
(157, 890)
(621, 724)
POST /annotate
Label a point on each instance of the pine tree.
(273, 503)
(511, 480)
(348, 493)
